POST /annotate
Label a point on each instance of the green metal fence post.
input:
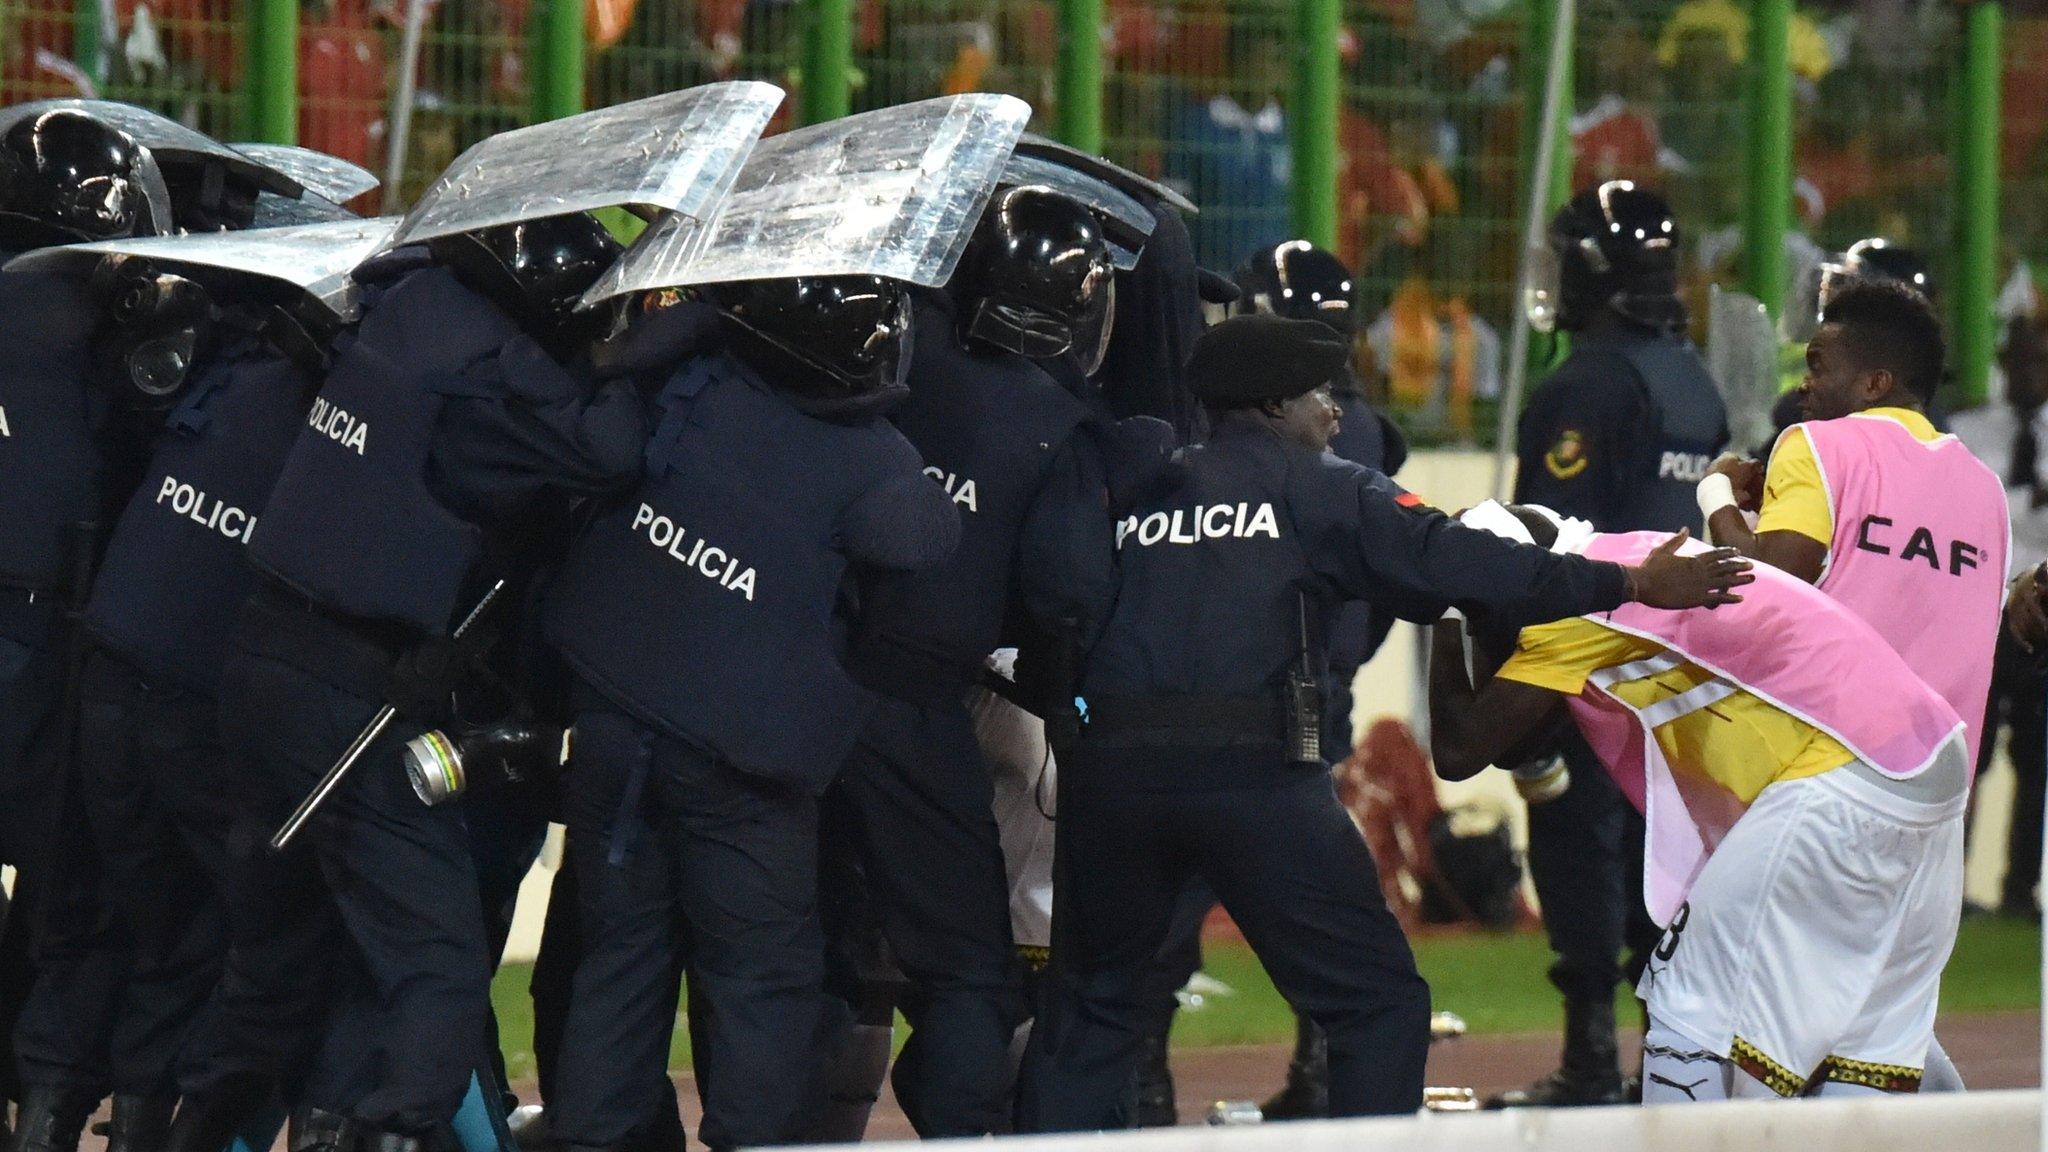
(1767, 197)
(1536, 33)
(828, 60)
(556, 44)
(1315, 140)
(1976, 177)
(274, 71)
(1079, 96)
(85, 38)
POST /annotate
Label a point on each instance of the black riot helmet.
(537, 271)
(1879, 259)
(67, 177)
(1037, 278)
(1299, 281)
(821, 338)
(1616, 248)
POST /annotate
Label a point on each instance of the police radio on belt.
(1304, 698)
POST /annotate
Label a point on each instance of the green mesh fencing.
(183, 58)
(2023, 143)
(1196, 92)
(1873, 137)
(472, 81)
(653, 46)
(1430, 205)
(916, 49)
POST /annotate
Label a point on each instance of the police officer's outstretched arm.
(1415, 558)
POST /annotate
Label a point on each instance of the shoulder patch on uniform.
(1567, 457)
(1408, 500)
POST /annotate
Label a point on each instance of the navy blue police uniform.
(1619, 435)
(701, 615)
(159, 785)
(1013, 452)
(68, 454)
(1367, 438)
(419, 476)
(1183, 770)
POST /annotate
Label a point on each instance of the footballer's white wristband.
(1715, 493)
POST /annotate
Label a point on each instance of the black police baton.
(363, 740)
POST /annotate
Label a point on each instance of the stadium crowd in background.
(1430, 150)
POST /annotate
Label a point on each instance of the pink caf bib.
(1919, 552)
(1787, 643)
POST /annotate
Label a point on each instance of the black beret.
(1261, 357)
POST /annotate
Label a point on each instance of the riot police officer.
(436, 463)
(713, 709)
(1618, 435)
(67, 452)
(1198, 753)
(233, 371)
(1014, 453)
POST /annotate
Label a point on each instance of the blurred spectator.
(1435, 358)
(1380, 202)
(1724, 28)
(341, 72)
(1233, 156)
(1614, 141)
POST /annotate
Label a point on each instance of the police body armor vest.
(51, 467)
(1692, 428)
(705, 603)
(352, 523)
(176, 568)
(988, 425)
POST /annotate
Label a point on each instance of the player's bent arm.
(1473, 728)
(1793, 491)
(1791, 552)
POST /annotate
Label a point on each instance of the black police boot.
(318, 1130)
(1148, 1100)
(1307, 1093)
(210, 1121)
(1591, 1070)
(51, 1118)
(138, 1124)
